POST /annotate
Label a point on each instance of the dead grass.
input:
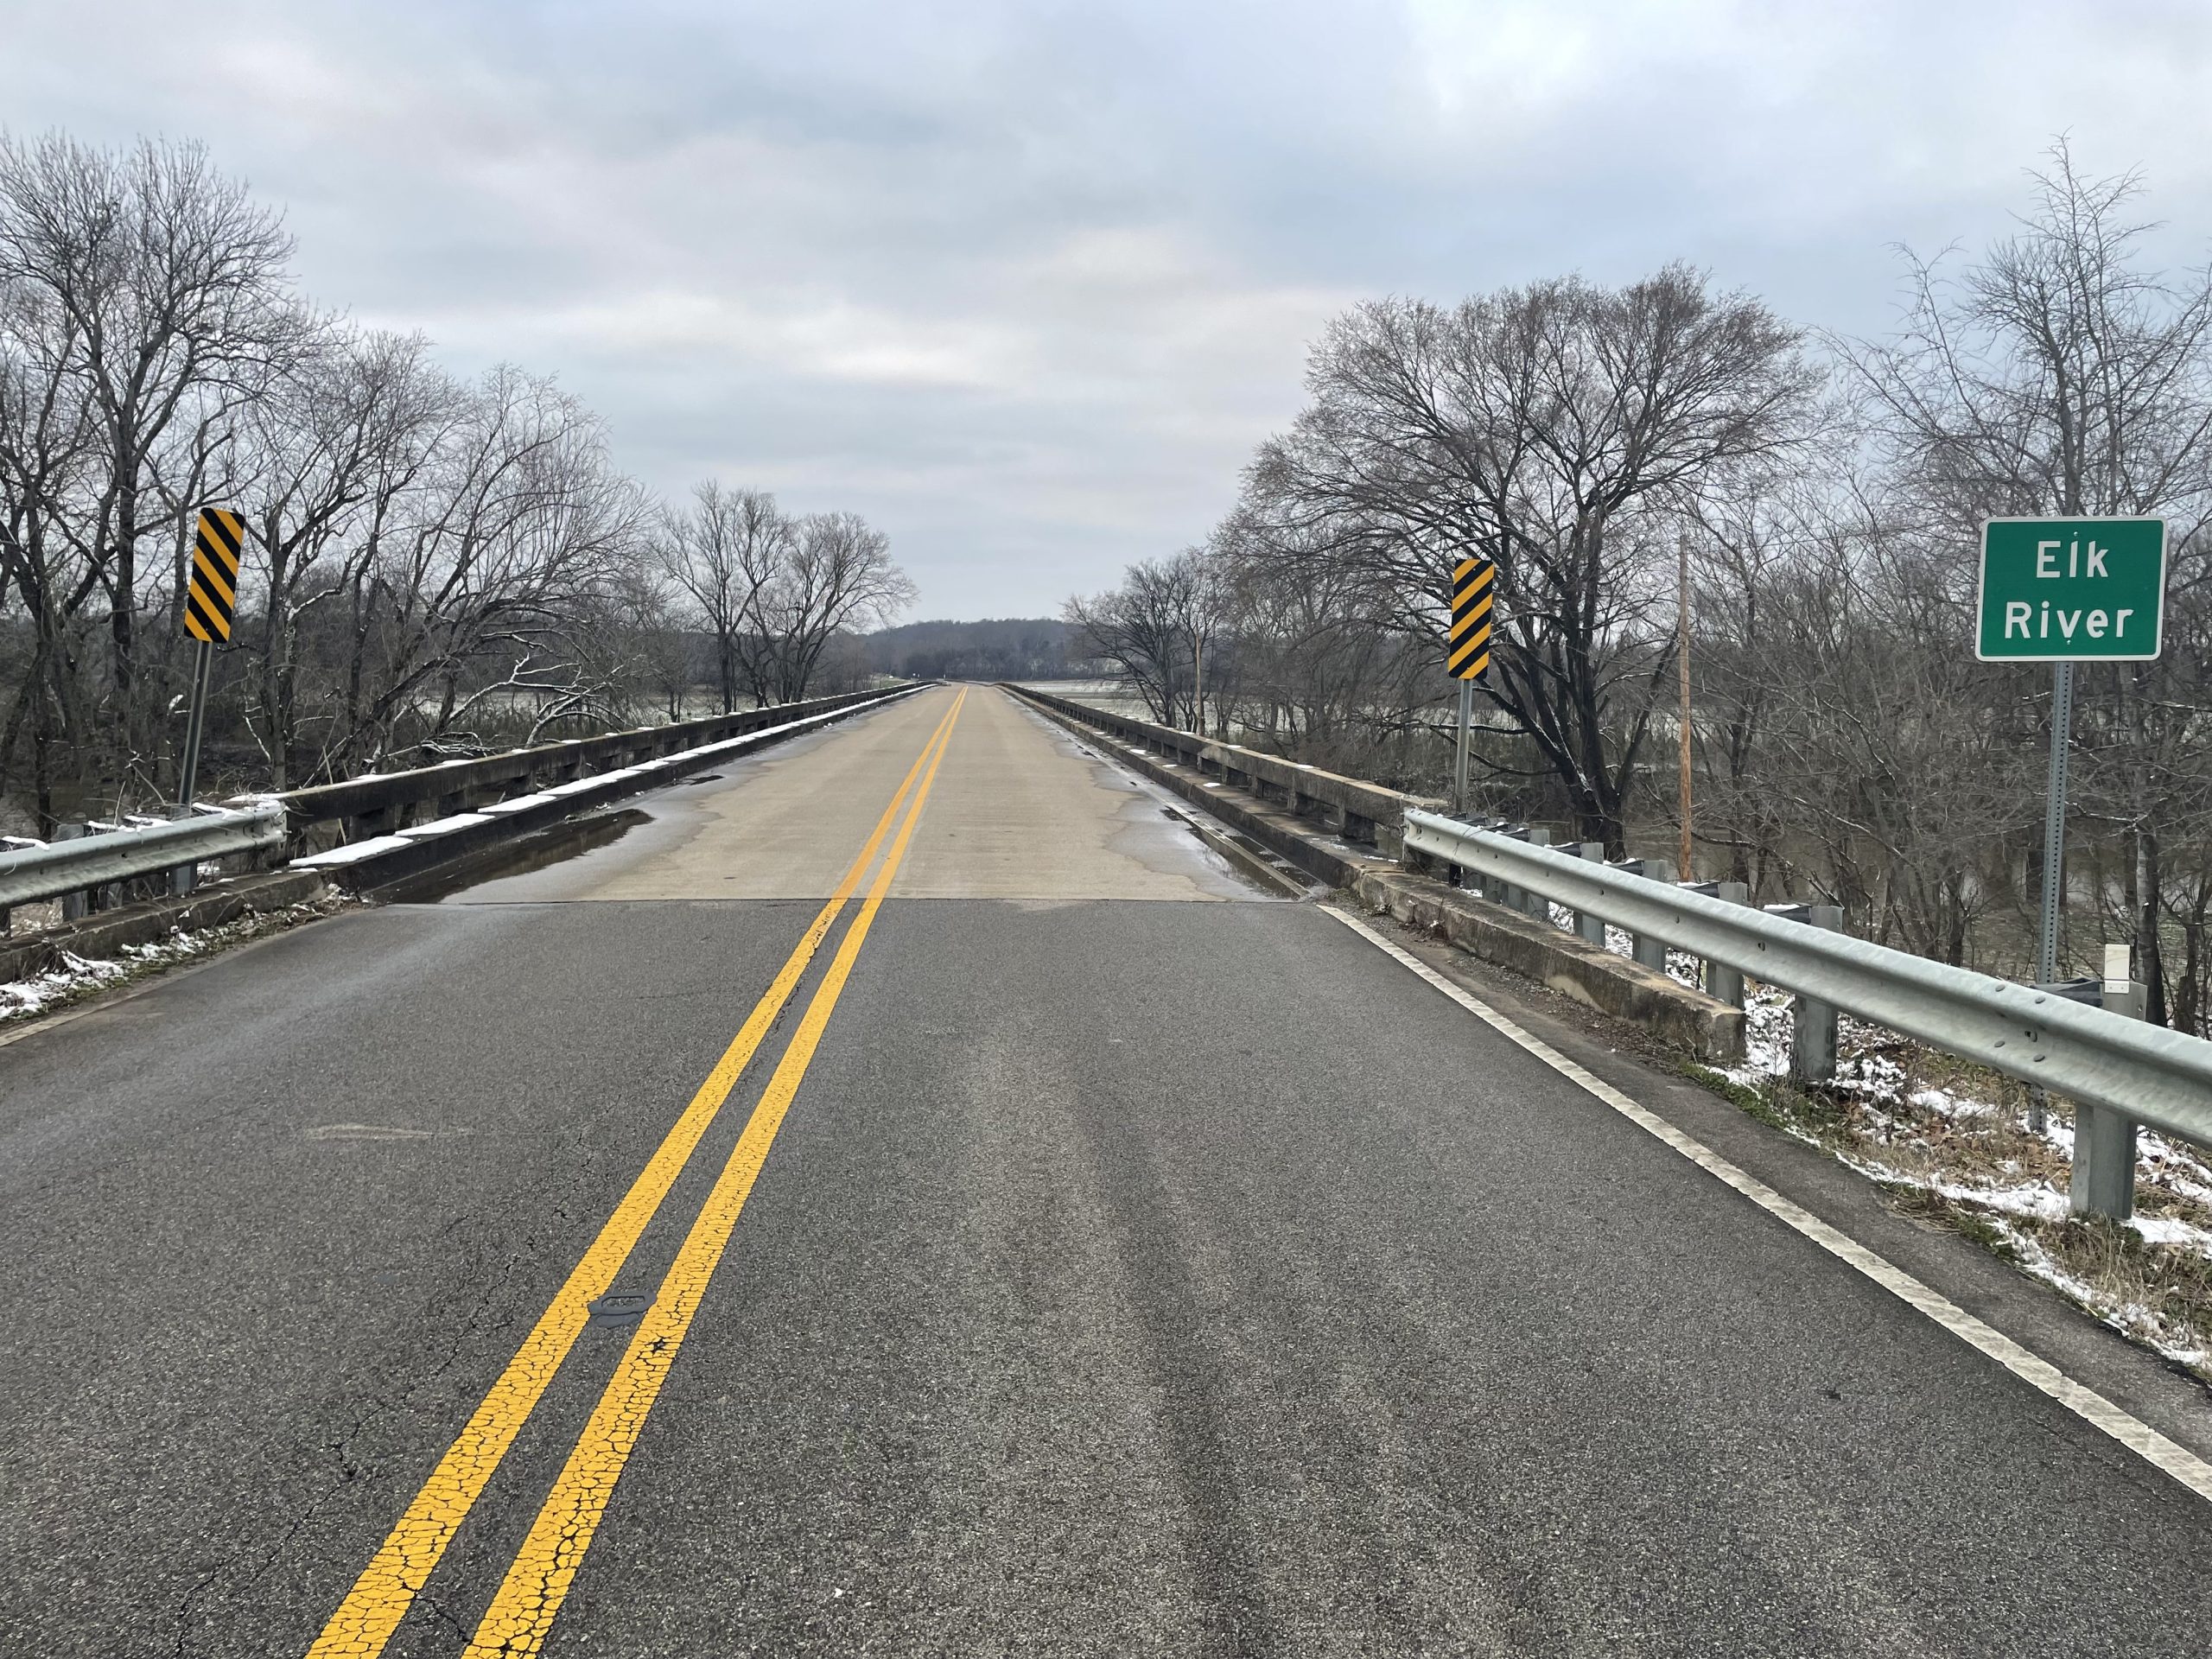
(1964, 1157)
(2159, 1295)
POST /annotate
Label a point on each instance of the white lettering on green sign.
(2055, 589)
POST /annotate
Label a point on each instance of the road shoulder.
(2159, 1394)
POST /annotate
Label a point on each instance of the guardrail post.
(73, 905)
(1586, 927)
(1532, 902)
(2103, 1182)
(1649, 951)
(1812, 1046)
(184, 877)
(1721, 982)
(1507, 894)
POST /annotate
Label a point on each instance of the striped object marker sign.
(212, 596)
(1467, 655)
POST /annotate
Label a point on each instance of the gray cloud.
(1024, 283)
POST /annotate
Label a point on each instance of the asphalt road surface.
(1061, 1246)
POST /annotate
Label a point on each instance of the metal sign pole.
(2054, 855)
(2054, 823)
(184, 877)
(1459, 773)
(188, 767)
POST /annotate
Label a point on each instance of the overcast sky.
(1023, 281)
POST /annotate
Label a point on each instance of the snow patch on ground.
(1978, 1149)
(81, 976)
(1900, 1114)
(72, 979)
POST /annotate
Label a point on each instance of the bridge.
(929, 1187)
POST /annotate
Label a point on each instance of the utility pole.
(1198, 672)
(1682, 661)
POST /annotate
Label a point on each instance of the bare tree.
(351, 416)
(1153, 627)
(480, 576)
(156, 277)
(722, 551)
(836, 575)
(48, 445)
(2059, 376)
(1554, 429)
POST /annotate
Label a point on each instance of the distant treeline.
(1013, 648)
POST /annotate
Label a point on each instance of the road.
(1067, 1247)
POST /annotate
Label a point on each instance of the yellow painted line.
(388, 1585)
(529, 1598)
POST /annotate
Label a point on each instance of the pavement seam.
(2092, 1408)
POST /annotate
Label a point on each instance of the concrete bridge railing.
(384, 804)
(1363, 813)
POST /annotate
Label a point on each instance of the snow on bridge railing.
(384, 804)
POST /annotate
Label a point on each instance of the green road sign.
(2072, 589)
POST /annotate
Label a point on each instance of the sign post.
(210, 603)
(1467, 653)
(2062, 591)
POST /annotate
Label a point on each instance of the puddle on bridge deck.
(1295, 879)
(554, 844)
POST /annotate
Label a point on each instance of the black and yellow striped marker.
(212, 597)
(1468, 654)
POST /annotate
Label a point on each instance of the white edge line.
(2091, 1407)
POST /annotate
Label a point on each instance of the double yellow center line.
(529, 1597)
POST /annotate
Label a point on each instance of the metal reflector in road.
(1468, 653)
(213, 595)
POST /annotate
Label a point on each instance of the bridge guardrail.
(1358, 811)
(2119, 1070)
(267, 827)
(381, 804)
(58, 868)
(376, 862)
(2039, 1034)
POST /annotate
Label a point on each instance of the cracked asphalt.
(1145, 1265)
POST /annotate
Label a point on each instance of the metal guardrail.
(74, 870)
(2155, 1076)
(376, 861)
(59, 867)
